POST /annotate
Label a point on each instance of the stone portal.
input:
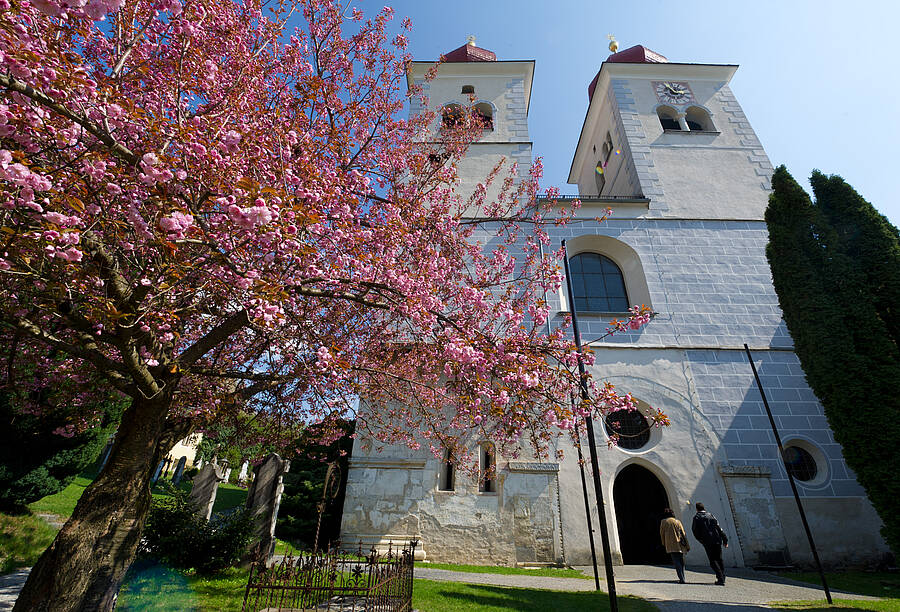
(639, 499)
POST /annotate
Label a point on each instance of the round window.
(629, 428)
(800, 463)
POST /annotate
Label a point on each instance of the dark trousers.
(678, 562)
(714, 553)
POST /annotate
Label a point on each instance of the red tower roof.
(470, 53)
(637, 54)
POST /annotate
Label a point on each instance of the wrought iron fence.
(334, 581)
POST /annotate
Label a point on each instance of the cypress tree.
(847, 352)
(869, 239)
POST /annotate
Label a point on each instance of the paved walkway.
(10, 585)
(745, 590)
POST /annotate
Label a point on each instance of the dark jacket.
(706, 529)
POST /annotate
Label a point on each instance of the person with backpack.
(707, 531)
(674, 540)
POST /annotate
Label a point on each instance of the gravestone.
(263, 500)
(179, 471)
(106, 453)
(242, 475)
(156, 473)
(203, 493)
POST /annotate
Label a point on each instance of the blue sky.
(819, 81)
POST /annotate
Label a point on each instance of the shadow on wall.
(765, 513)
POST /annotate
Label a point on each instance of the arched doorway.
(640, 499)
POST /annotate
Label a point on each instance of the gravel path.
(745, 590)
(10, 585)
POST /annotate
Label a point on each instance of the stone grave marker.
(263, 500)
(242, 475)
(179, 471)
(157, 472)
(206, 484)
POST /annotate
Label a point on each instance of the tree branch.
(213, 338)
(118, 149)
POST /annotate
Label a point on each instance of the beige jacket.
(670, 532)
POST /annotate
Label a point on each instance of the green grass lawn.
(556, 572)
(885, 585)
(22, 540)
(62, 503)
(154, 587)
(24, 537)
(435, 596)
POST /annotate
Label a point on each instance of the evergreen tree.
(850, 358)
(869, 239)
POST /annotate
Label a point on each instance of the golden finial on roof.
(470, 40)
(613, 43)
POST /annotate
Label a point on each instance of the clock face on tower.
(673, 92)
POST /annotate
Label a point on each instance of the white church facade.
(668, 147)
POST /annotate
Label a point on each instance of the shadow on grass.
(151, 586)
(458, 597)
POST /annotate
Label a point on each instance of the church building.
(669, 148)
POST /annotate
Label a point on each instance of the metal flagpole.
(812, 544)
(587, 503)
(592, 445)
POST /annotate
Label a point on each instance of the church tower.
(499, 91)
(667, 146)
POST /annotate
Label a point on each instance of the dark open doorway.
(640, 500)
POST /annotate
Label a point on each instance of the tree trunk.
(84, 567)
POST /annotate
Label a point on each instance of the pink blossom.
(71, 254)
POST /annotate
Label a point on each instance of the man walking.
(707, 531)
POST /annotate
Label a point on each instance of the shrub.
(35, 461)
(175, 535)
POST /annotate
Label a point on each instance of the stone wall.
(396, 498)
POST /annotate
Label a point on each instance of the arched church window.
(628, 428)
(487, 468)
(668, 118)
(600, 176)
(451, 115)
(598, 284)
(468, 89)
(698, 119)
(800, 463)
(485, 114)
(607, 147)
(447, 479)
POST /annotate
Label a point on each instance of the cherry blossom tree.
(207, 211)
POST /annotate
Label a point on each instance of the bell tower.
(673, 133)
(472, 79)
